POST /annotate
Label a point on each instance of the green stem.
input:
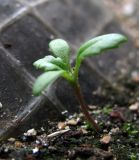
(84, 107)
(76, 71)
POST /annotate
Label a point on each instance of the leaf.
(60, 48)
(50, 63)
(44, 80)
(99, 44)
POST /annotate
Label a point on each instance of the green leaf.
(50, 63)
(99, 44)
(60, 48)
(44, 80)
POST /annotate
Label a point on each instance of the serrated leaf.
(50, 63)
(99, 44)
(60, 48)
(44, 80)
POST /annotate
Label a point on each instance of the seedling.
(59, 65)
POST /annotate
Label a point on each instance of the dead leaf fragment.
(18, 144)
(118, 115)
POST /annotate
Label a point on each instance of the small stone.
(137, 43)
(6, 149)
(67, 128)
(78, 120)
(81, 115)
(0, 105)
(61, 125)
(134, 107)
(128, 9)
(11, 139)
(84, 131)
(92, 107)
(105, 139)
(64, 112)
(38, 142)
(115, 130)
(52, 148)
(18, 144)
(118, 140)
(105, 131)
(31, 132)
(35, 150)
(72, 122)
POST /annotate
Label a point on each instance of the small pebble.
(115, 130)
(35, 150)
(0, 105)
(134, 107)
(92, 107)
(81, 115)
(11, 139)
(72, 122)
(84, 131)
(38, 142)
(52, 148)
(67, 128)
(118, 140)
(61, 125)
(105, 131)
(128, 9)
(105, 139)
(6, 149)
(64, 112)
(31, 132)
(137, 43)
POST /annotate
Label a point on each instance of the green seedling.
(59, 65)
(130, 129)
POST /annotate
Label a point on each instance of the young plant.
(59, 65)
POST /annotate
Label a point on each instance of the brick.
(8, 8)
(27, 40)
(75, 20)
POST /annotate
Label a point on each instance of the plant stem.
(84, 107)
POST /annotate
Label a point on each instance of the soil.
(74, 139)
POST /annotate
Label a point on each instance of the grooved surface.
(8, 8)
(27, 40)
(14, 93)
(75, 20)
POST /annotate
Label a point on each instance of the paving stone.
(14, 93)
(27, 40)
(118, 62)
(76, 20)
(8, 8)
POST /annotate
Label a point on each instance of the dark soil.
(74, 139)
